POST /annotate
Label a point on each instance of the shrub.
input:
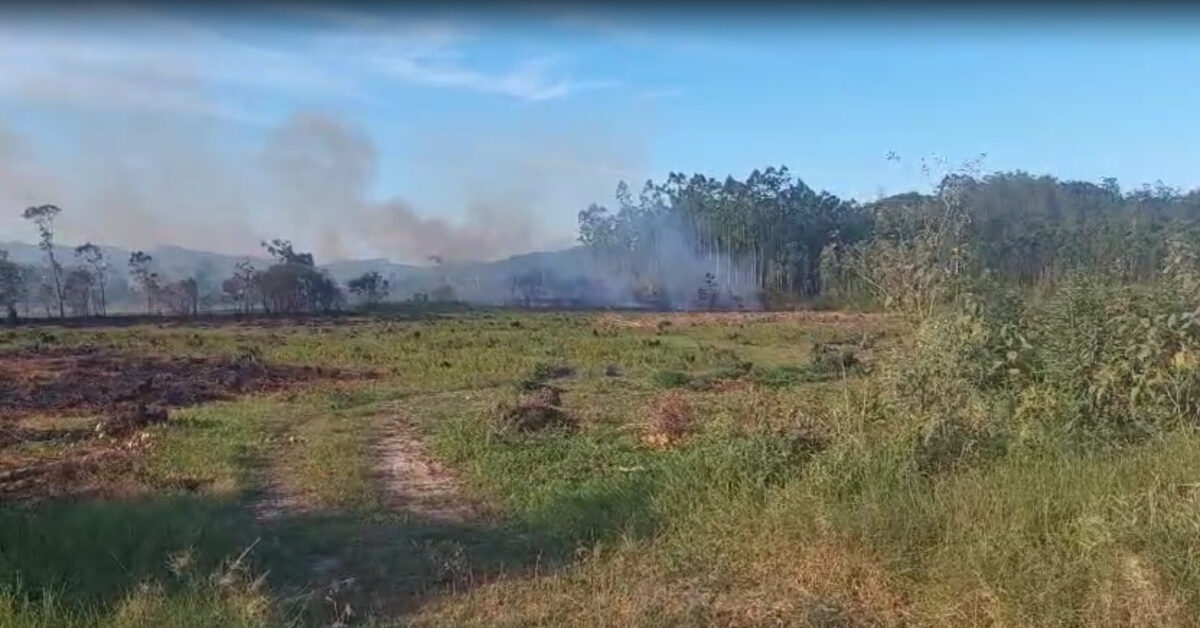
(1096, 361)
(1125, 358)
(948, 364)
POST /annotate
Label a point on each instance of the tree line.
(773, 238)
(290, 284)
(700, 242)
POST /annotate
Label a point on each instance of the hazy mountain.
(478, 281)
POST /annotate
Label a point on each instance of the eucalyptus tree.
(42, 216)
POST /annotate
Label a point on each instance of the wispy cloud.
(432, 52)
(134, 59)
(531, 80)
(125, 57)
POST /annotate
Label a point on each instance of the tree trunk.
(56, 271)
(62, 310)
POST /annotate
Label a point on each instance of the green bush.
(1125, 356)
(949, 363)
(1094, 360)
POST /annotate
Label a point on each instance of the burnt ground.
(119, 394)
(98, 381)
(223, 319)
(393, 311)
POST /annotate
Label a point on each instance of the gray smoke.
(139, 180)
(21, 184)
(323, 170)
(149, 128)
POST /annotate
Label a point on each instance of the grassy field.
(703, 469)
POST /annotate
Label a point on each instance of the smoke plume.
(324, 169)
(143, 180)
(149, 127)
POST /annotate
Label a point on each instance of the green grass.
(799, 498)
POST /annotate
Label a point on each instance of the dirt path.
(385, 567)
(416, 483)
(413, 482)
(277, 502)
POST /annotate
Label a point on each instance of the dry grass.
(1134, 594)
(764, 498)
(670, 419)
(827, 583)
(661, 321)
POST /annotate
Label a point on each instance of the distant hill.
(476, 281)
(171, 261)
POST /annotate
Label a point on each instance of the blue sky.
(537, 113)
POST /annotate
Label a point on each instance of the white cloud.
(531, 80)
(147, 64)
(140, 59)
(430, 52)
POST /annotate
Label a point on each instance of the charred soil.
(107, 399)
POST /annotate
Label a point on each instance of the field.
(591, 469)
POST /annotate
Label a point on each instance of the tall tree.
(140, 269)
(78, 285)
(43, 217)
(283, 252)
(294, 284)
(241, 286)
(91, 255)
